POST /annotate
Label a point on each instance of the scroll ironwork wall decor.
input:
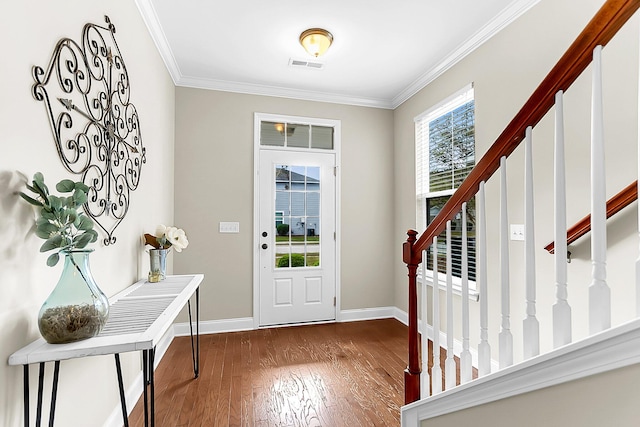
(96, 128)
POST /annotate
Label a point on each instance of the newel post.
(412, 373)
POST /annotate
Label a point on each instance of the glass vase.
(157, 265)
(76, 309)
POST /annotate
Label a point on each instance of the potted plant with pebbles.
(76, 309)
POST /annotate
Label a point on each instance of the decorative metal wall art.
(96, 129)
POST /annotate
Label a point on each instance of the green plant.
(297, 260)
(283, 229)
(61, 223)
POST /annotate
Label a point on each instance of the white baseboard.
(216, 326)
(248, 324)
(366, 314)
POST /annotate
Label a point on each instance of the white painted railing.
(599, 292)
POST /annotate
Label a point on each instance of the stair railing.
(624, 198)
(599, 31)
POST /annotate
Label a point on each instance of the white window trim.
(458, 98)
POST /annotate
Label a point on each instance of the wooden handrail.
(599, 31)
(624, 198)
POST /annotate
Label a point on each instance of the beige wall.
(505, 71)
(214, 182)
(609, 399)
(29, 30)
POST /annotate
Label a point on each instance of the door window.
(297, 213)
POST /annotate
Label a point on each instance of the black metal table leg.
(40, 387)
(25, 380)
(152, 391)
(195, 352)
(123, 402)
(145, 379)
(54, 392)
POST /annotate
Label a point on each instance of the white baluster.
(465, 356)
(436, 370)
(450, 363)
(484, 349)
(505, 337)
(561, 309)
(599, 293)
(530, 325)
(425, 380)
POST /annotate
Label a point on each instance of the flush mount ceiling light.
(316, 41)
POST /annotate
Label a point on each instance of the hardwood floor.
(340, 374)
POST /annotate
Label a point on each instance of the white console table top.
(139, 316)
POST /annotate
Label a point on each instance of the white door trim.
(336, 124)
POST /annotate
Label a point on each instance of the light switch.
(517, 231)
(229, 227)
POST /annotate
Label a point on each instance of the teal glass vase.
(76, 309)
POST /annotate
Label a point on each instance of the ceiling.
(383, 51)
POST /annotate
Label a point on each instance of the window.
(445, 154)
(279, 218)
(295, 135)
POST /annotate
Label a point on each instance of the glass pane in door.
(297, 216)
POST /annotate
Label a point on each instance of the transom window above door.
(295, 135)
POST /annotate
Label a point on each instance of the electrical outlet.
(517, 231)
(229, 227)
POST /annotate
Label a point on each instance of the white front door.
(297, 246)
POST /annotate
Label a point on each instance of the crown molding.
(506, 17)
(281, 92)
(150, 18)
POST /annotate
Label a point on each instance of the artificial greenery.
(61, 222)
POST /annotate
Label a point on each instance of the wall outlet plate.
(517, 232)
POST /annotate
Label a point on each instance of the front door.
(297, 246)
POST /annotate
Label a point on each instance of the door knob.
(265, 246)
(264, 234)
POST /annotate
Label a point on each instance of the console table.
(139, 316)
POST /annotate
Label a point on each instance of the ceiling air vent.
(301, 63)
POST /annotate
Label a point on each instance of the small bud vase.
(157, 265)
(76, 309)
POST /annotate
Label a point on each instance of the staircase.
(499, 373)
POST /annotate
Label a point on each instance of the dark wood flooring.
(340, 374)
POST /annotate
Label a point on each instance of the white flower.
(177, 238)
(167, 237)
(160, 231)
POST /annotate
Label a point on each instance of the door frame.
(336, 124)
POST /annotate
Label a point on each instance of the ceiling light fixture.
(316, 41)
